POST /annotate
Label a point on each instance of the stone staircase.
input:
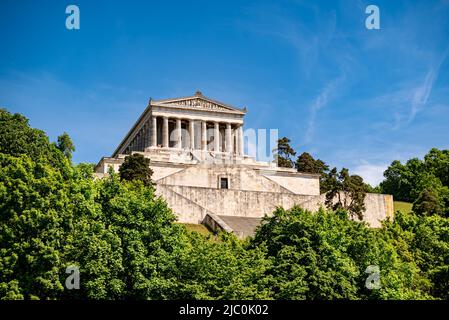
(190, 208)
(242, 227)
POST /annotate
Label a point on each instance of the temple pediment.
(198, 101)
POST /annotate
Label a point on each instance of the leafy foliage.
(307, 164)
(136, 167)
(345, 191)
(66, 145)
(124, 240)
(427, 203)
(425, 241)
(420, 180)
(18, 138)
(324, 256)
(33, 206)
(284, 153)
(224, 269)
(370, 189)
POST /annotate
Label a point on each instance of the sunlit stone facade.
(196, 149)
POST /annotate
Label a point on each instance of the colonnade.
(231, 141)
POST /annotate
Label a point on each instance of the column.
(235, 141)
(203, 136)
(192, 134)
(165, 133)
(228, 138)
(240, 141)
(178, 134)
(216, 137)
(145, 138)
(153, 131)
(138, 140)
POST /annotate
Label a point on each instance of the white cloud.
(321, 101)
(421, 93)
(371, 173)
(404, 102)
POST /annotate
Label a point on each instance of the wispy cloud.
(421, 93)
(323, 98)
(308, 40)
(321, 51)
(403, 101)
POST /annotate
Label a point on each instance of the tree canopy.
(325, 255)
(420, 180)
(66, 145)
(345, 191)
(283, 153)
(136, 167)
(127, 244)
(307, 164)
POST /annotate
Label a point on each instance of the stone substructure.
(195, 145)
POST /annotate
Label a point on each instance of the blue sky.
(353, 97)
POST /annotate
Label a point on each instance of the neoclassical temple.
(196, 149)
(189, 123)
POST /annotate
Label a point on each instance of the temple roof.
(195, 102)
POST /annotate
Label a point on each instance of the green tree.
(399, 180)
(324, 255)
(370, 189)
(427, 203)
(408, 182)
(307, 164)
(18, 138)
(283, 153)
(127, 246)
(124, 241)
(66, 145)
(35, 210)
(223, 269)
(307, 263)
(437, 162)
(423, 241)
(346, 192)
(35, 213)
(136, 167)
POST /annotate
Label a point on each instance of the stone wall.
(298, 184)
(239, 202)
(191, 204)
(241, 178)
(379, 207)
(185, 209)
(160, 172)
(192, 189)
